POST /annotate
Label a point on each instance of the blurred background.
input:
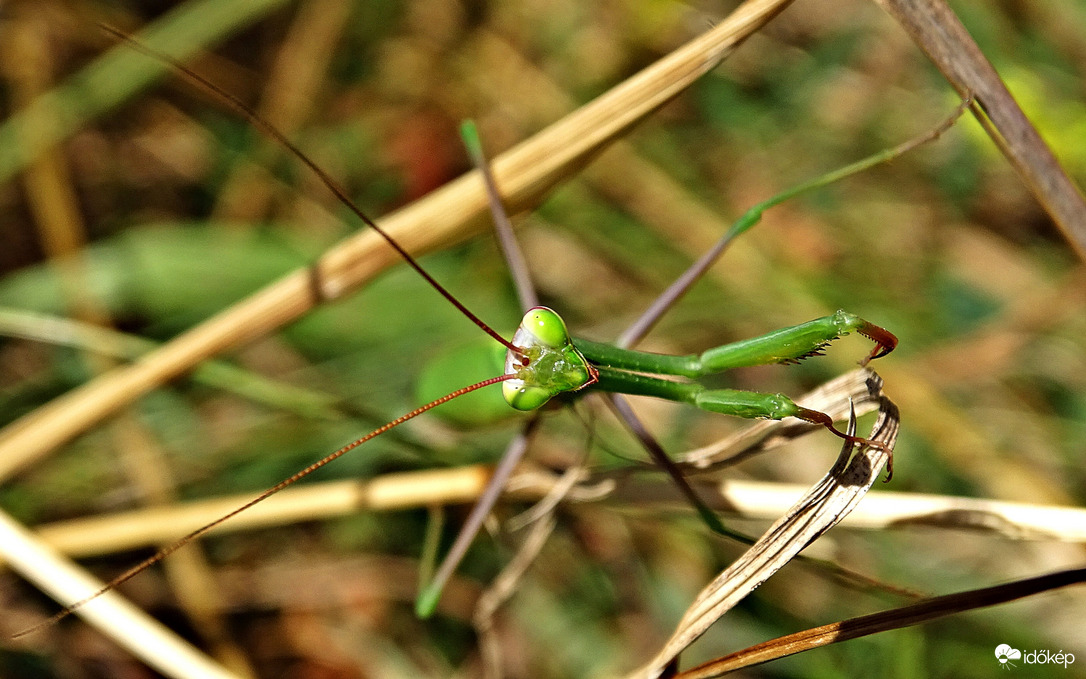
(165, 208)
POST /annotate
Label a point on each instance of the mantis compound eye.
(523, 396)
(545, 327)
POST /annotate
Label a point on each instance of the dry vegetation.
(164, 208)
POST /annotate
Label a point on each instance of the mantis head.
(545, 364)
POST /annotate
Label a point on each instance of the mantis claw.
(885, 341)
(817, 417)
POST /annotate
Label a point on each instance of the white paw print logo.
(1005, 654)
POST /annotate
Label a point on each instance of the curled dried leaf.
(821, 508)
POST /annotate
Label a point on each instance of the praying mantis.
(543, 361)
(614, 378)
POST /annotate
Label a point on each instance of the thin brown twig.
(906, 616)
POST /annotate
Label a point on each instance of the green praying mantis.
(544, 362)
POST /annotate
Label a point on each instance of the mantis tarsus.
(731, 402)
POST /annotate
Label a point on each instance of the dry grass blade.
(60, 331)
(445, 216)
(905, 616)
(824, 505)
(145, 527)
(887, 509)
(130, 627)
(937, 30)
(106, 534)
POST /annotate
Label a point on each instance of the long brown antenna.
(271, 131)
(170, 549)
